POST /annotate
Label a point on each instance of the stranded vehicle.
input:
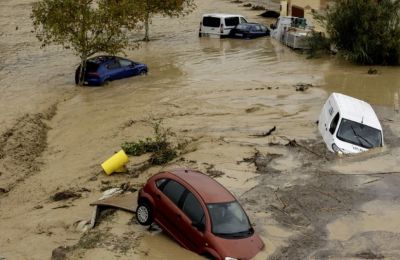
(249, 31)
(199, 213)
(349, 125)
(219, 25)
(102, 69)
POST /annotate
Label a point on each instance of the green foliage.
(318, 44)
(160, 146)
(365, 31)
(85, 26)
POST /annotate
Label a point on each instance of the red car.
(199, 213)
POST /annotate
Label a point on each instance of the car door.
(114, 70)
(168, 196)
(192, 222)
(128, 67)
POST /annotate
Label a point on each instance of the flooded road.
(217, 93)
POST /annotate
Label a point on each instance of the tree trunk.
(82, 71)
(146, 27)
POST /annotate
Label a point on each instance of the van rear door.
(211, 24)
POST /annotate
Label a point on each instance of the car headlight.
(230, 258)
(336, 149)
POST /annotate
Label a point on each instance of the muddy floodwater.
(218, 95)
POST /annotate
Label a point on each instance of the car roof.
(222, 15)
(209, 189)
(356, 110)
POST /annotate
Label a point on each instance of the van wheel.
(144, 214)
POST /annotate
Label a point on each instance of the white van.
(349, 125)
(219, 25)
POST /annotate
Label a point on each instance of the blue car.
(249, 31)
(102, 69)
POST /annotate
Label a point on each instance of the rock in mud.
(60, 253)
(64, 195)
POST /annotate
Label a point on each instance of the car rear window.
(243, 26)
(231, 21)
(91, 66)
(211, 21)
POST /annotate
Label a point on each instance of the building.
(303, 8)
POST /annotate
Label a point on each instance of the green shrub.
(159, 145)
(365, 31)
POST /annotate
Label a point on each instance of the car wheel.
(143, 73)
(144, 214)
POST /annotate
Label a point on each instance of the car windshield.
(229, 220)
(359, 134)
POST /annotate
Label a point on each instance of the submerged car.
(249, 31)
(349, 125)
(102, 69)
(199, 213)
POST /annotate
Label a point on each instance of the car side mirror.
(199, 225)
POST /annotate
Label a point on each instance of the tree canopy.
(85, 26)
(365, 31)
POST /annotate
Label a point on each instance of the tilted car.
(102, 69)
(349, 125)
(199, 213)
(249, 31)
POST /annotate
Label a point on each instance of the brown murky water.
(219, 92)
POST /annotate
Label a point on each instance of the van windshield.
(359, 134)
(229, 220)
(211, 21)
(231, 21)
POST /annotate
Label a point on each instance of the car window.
(113, 65)
(91, 66)
(174, 191)
(211, 21)
(334, 124)
(231, 21)
(242, 20)
(242, 27)
(192, 208)
(160, 183)
(125, 63)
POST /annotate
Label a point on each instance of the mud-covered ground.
(218, 95)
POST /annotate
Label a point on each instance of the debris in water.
(247, 5)
(64, 195)
(303, 86)
(369, 255)
(258, 8)
(60, 253)
(266, 133)
(270, 14)
(372, 71)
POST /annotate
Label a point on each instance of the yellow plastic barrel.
(115, 163)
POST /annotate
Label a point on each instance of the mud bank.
(21, 147)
